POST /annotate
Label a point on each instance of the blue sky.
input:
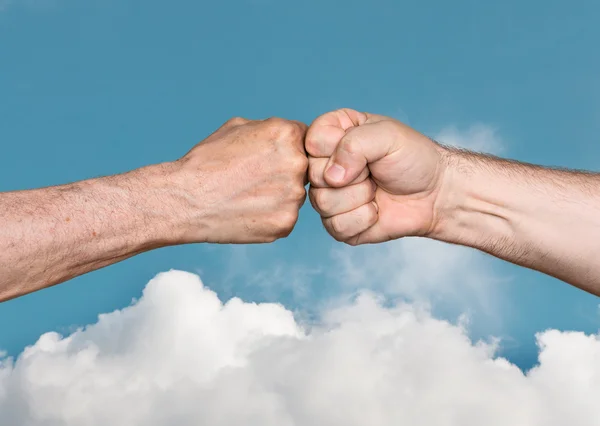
(90, 88)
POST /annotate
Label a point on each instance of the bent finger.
(329, 202)
(346, 225)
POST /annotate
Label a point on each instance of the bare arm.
(50, 235)
(540, 218)
(243, 184)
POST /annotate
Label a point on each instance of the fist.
(372, 178)
(244, 183)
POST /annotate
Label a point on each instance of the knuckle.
(329, 227)
(352, 241)
(311, 145)
(286, 220)
(279, 128)
(368, 190)
(271, 126)
(364, 174)
(291, 130)
(298, 192)
(298, 163)
(321, 200)
(315, 175)
(236, 121)
(372, 215)
(337, 227)
(275, 121)
(350, 144)
(312, 199)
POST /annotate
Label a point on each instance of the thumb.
(359, 147)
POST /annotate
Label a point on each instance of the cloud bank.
(180, 356)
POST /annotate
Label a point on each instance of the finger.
(303, 129)
(316, 171)
(346, 225)
(327, 130)
(371, 235)
(359, 147)
(329, 202)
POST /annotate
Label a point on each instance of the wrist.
(158, 204)
(470, 203)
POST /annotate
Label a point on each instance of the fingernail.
(376, 206)
(336, 173)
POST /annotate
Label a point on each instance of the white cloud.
(179, 356)
(478, 137)
(423, 271)
(271, 282)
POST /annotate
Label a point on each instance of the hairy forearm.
(50, 235)
(540, 218)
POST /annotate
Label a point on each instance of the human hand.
(373, 179)
(244, 183)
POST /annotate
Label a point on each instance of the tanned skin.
(373, 179)
(243, 184)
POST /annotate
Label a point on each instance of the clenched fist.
(244, 183)
(373, 179)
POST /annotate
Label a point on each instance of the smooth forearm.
(50, 235)
(544, 219)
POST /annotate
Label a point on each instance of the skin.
(242, 184)
(374, 179)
